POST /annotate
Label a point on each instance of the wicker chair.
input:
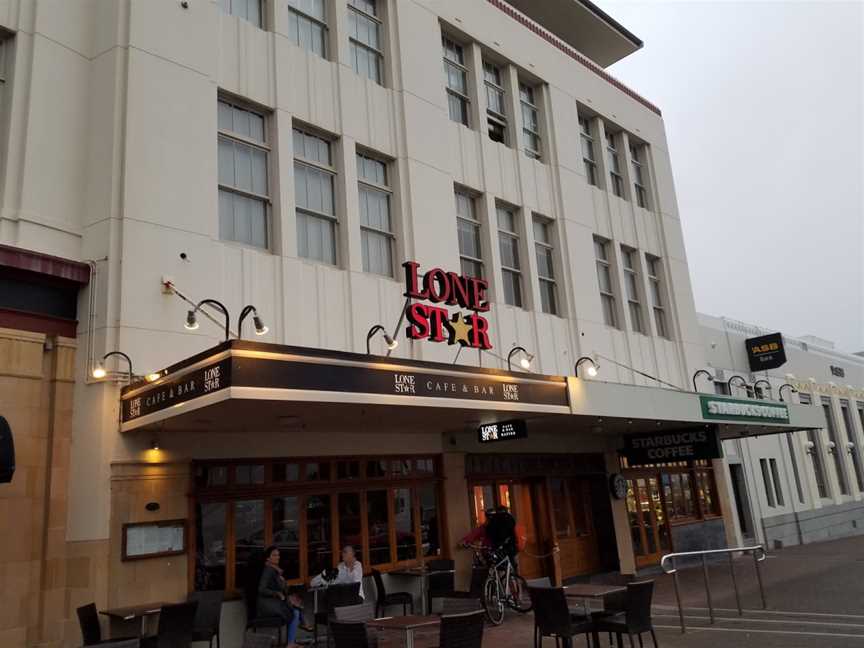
(552, 617)
(462, 630)
(636, 617)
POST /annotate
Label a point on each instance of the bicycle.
(503, 587)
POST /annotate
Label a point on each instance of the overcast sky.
(764, 105)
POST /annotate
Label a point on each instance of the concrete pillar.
(458, 512)
(626, 557)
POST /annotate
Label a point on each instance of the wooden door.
(531, 565)
(649, 527)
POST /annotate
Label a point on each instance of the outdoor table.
(406, 625)
(129, 621)
(588, 592)
(422, 573)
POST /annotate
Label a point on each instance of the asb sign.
(429, 317)
(766, 352)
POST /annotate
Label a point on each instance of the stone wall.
(804, 527)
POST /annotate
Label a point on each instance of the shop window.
(284, 472)
(379, 527)
(207, 476)
(350, 522)
(678, 491)
(558, 495)
(319, 550)
(347, 470)
(707, 491)
(504, 499)
(210, 525)
(426, 466)
(377, 469)
(249, 535)
(316, 471)
(403, 518)
(249, 474)
(286, 534)
(401, 467)
(484, 499)
(429, 529)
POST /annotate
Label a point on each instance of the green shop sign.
(729, 409)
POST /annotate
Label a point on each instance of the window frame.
(264, 146)
(261, 8)
(548, 247)
(356, 43)
(533, 106)
(639, 172)
(321, 22)
(333, 172)
(607, 299)
(385, 189)
(831, 430)
(630, 266)
(616, 179)
(854, 453)
(655, 280)
(463, 98)
(701, 473)
(493, 117)
(513, 237)
(475, 223)
(589, 159)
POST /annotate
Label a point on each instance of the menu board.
(154, 539)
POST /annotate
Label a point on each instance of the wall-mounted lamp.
(593, 370)
(524, 361)
(389, 341)
(809, 447)
(729, 382)
(260, 328)
(154, 444)
(702, 372)
(784, 385)
(759, 382)
(850, 447)
(99, 371)
(192, 320)
(831, 446)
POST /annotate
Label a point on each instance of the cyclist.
(501, 533)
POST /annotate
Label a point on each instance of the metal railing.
(667, 564)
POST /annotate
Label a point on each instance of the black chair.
(462, 630)
(405, 599)
(636, 617)
(552, 617)
(208, 616)
(349, 635)
(175, 626)
(360, 613)
(121, 643)
(441, 584)
(91, 631)
(460, 605)
(335, 596)
(250, 599)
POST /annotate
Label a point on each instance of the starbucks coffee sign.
(729, 409)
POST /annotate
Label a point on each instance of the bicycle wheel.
(519, 598)
(493, 601)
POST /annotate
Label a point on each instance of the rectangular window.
(766, 479)
(468, 229)
(248, 538)
(851, 446)
(364, 39)
(816, 457)
(350, 522)
(210, 569)
(314, 176)
(838, 449)
(379, 527)
(588, 157)
(530, 122)
(429, 525)
(508, 244)
(639, 173)
(678, 492)
(286, 534)
(307, 25)
(775, 475)
(630, 258)
(657, 302)
(496, 111)
(457, 81)
(376, 226)
(246, 9)
(604, 278)
(244, 194)
(319, 541)
(544, 251)
(615, 178)
(791, 447)
(403, 521)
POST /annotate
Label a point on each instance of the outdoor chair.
(207, 616)
(405, 599)
(253, 621)
(553, 618)
(349, 635)
(636, 617)
(462, 630)
(253, 640)
(175, 626)
(440, 585)
(335, 596)
(460, 605)
(91, 631)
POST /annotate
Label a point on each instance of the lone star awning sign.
(435, 323)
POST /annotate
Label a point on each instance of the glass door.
(648, 525)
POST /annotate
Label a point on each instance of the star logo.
(459, 330)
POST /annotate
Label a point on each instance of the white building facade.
(803, 486)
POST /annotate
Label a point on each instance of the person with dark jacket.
(273, 599)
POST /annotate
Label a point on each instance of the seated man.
(350, 570)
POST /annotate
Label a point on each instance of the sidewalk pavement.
(815, 596)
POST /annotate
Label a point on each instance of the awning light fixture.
(260, 328)
(524, 361)
(729, 382)
(791, 388)
(389, 341)
(592, 370)
(701, 372)
(100, 372)
(192, 320)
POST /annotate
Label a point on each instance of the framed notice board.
(154, 539)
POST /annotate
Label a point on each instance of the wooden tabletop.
(133, 611)
(591, 590)
(410, 622)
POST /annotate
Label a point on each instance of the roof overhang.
(584, 26)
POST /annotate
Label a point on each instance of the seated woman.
(273, 599)
(350, 570)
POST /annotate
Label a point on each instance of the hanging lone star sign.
(459, 330)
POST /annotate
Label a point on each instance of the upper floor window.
(376, 225)
(838, 453)
(636, 161)
(314, 176)
(655, 281)
(508, 244)
(244, 196)
(457, 81)
(495, 102)
(630, 260)
(588, 150)
(468, 229)
(544, 250)
(246, 9)
(364, 28)
(530, 121)
(604, 278)
(616, 180)
(307, 25)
